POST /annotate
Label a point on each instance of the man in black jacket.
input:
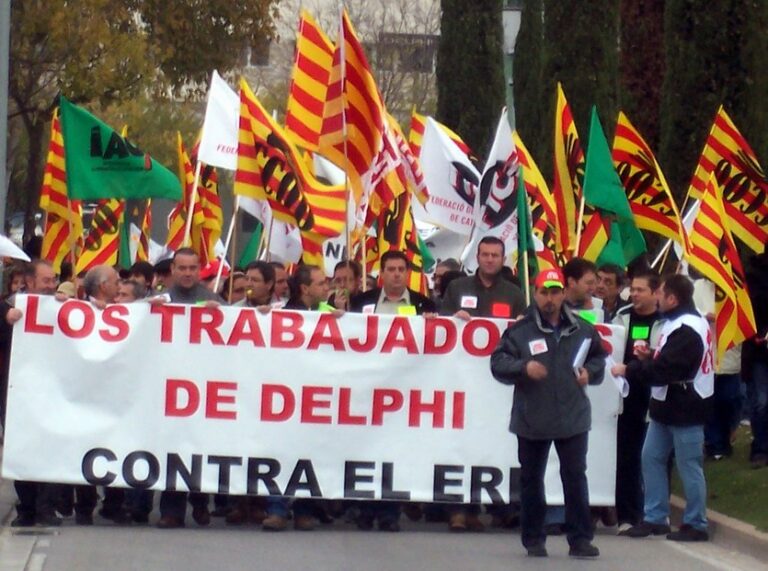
(681, 376)
(550, 355)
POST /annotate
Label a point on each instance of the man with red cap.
(550, 356)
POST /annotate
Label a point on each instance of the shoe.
(537, 550)
(608, 516)
(83, 519)
(364, 523)
(65, 510)
(389, 526)
(170, 522)
(623, 529)
(236, 516)
(274, 523)
(473, 523)
(304, 523)
(412, 511)
(256, 515)
(140, 517)
(457, 522)
(201, 515)
(583, 548)
(120, 517)
(644, 529)
(688, 533)
(23, 521)
(48, 520)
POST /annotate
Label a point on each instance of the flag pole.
(526, 280)
(269, 238)
(579, 222)
(72, 240)
(230, 233)
(191, 205)
(234, 249)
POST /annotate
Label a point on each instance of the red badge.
(501, 310)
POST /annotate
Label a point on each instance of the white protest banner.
(228, 400)
(218, 143)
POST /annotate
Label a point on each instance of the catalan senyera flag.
(649, 196)
(714, 254)
(208, 198)
(269, 167)
(543, 210)
(353, 101)
(102, 244)
(410, 162)
(309, 83)
(742, 179)
(569, 174)
(63, 233)
(142, 252)
(177, 220)
(416, 134)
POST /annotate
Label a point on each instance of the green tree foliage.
(641, 64)
(105, 51)
(527, 70)
(715, 53)
(582, 53)
(470, 69)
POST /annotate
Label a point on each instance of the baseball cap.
(549, 278)
(209, 271)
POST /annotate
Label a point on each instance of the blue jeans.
(757, 393)
(727, 409)
(688, 444)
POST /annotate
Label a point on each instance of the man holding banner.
(550, 356)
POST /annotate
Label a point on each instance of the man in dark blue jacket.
(550, 355)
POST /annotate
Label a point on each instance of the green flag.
(252, 247)
(124, 254)
(525, 242)
(102, 164)
(603, 190)
(427, 260)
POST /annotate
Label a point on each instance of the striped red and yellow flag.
(269, 167)
(742, 179)
(63, 232)
(416, 134)
(410, 162)
(353, 101)
(210, 204)
(647, 191)
(595, 233)
(543, 212)
(714, 254)
(177, 220)
(569, 174)
(142, 252)
(103, 241)
(309, 83)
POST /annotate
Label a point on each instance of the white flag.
(218, 143)
(285, 242)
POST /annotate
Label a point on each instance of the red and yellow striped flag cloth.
(210, 203)
(543, 213)
(416, 134)
(269, 167)
(714, 254)
(103, 241)
(309, 83)
(353, 100)
(569, 174)
(647, 191)
(142, 251)
(410, 162)
(177, 220)
(739, 174)
(63, 233)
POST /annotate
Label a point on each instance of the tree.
(106, 50)
(581, 52)
(470, 69)
(641, 64)
(527, 70)
(715, 54)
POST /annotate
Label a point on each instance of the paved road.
(336, 547)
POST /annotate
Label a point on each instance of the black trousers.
(175, 503)
(34, 498)
(533, 455)
(630, 436)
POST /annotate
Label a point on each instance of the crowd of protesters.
(681, 404)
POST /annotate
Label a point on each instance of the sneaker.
(48, 520)
(583, 548)
(624, 528)
(644, 529)
(688, 533)
(274, 523)
(537, 550)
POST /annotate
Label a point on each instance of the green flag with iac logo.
(101, 164)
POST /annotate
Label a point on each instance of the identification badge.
(501, 310)
(538, 346)
(468, 302)
(406, 310)
(369, 309)
(640, 332)
(325, 306)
